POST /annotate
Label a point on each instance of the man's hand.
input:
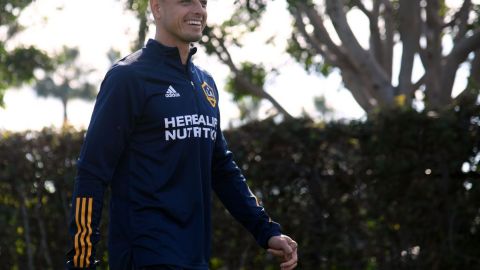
(285, 248)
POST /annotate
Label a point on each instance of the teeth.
(194, 22)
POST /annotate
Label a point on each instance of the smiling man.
(155, 139)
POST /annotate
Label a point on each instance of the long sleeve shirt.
(155, 139)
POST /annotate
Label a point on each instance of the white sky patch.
(360, 27)
(25, 111)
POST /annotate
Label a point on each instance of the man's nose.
(198, 7)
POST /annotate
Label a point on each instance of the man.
(155, 139)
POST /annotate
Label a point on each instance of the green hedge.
(386, 193)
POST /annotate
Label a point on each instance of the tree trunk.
(433, 69)
(65, 117)
(409, 21)
(142, 33)
(475, 70)
(364, 61)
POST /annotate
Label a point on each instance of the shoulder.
(122, 72)
(131, 59)
(204, 73)
(128, 67)
(122, 78)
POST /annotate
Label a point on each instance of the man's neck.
(183, 48)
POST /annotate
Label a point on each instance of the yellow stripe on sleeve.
(79, 230)
(84, 231)
(89, 234)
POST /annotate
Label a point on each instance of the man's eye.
(203, 2)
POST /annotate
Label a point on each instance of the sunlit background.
(95, 27)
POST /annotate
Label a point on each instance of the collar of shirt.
(156, 49)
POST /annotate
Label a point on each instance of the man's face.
(182, 20)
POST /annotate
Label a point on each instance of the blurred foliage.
(17, 65)
(306, 56)
(322, 107)
(398, 191)
(140, 9)
(69, 81)
(248, 104)
(253, 73)
(249, 108)
(245, 19)
(252, 6)
(42, 164)
(113, 56)
(10, 10)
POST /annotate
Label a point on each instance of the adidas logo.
(171, 92)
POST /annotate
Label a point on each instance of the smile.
(193, 22)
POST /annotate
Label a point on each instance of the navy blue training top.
(155, 139)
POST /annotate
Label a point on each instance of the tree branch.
(312, 41)
(321, 33)
(388, 17)
(475, 69)
(388, 5)
(338, 17)
(433, 59)
(334, 54)
(224, 55)
(465, 46)
(362, 59)
(375, 40)
(462, 17)
(330, 51)
(474, 77)
(422, 51)
(458, 55)
(361, 6)
(409, 22)
(357, 87)
(419, 83)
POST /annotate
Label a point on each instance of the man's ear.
(155, 7)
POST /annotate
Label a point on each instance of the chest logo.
(210, 94)
(171, 92)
